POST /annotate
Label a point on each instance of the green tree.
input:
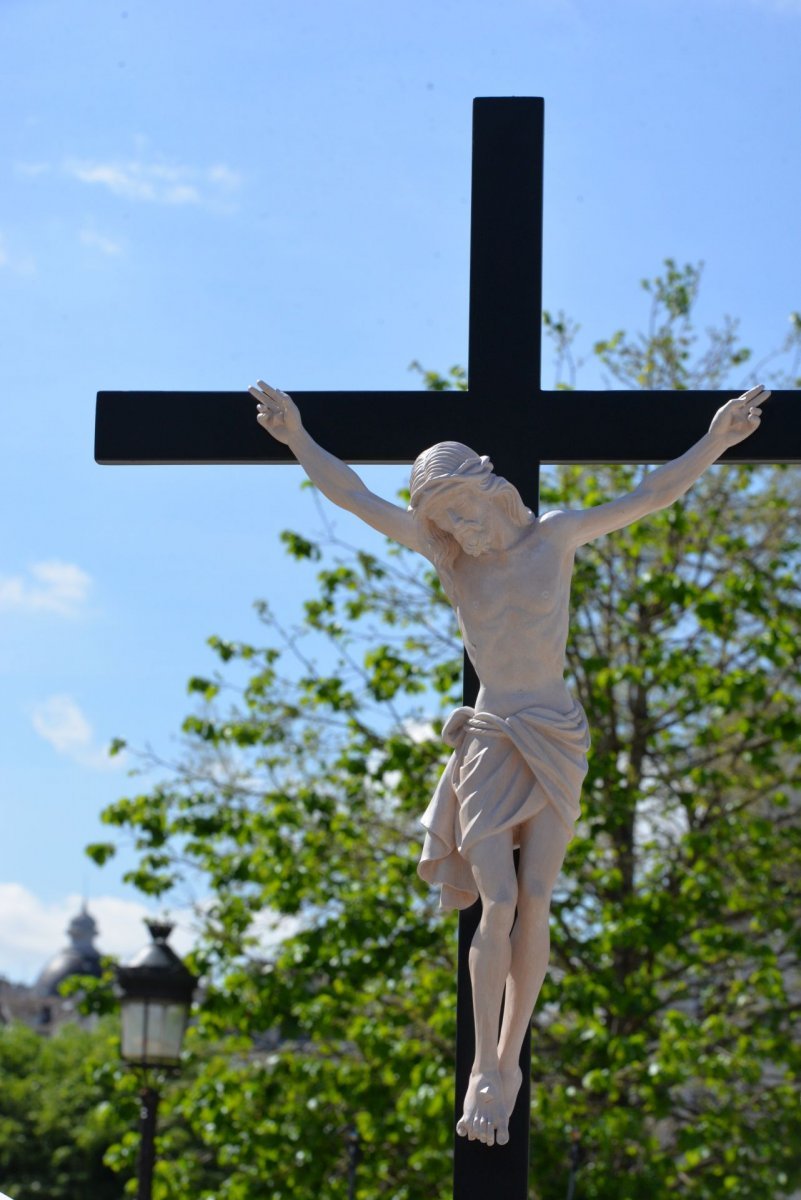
(59, 1113)
(666, 1038)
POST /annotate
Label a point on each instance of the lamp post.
(157, 992)
(354, 1153)
(575, 1163)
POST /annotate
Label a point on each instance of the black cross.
(505, 413)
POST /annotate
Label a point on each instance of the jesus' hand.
(738, 419)
(277, 412)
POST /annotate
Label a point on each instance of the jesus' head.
(458, 496)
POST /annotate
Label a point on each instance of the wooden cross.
(505, 414)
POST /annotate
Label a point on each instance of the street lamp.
(157, 992)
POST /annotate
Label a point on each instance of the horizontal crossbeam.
(393, 427)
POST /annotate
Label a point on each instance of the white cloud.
(60, 721)
(419, 731)
(51, 586)
(270, 930)
(98, 241)
(181, 193)
(19, 264)
(158, 182)
(31, 170)
(225, 177)
(31, 931)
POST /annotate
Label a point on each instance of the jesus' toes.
(484, 1118)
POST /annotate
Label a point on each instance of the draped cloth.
(503, 772)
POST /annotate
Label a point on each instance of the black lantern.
(157, 994)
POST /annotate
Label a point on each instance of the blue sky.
(195, 195)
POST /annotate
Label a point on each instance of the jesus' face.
(468, 514)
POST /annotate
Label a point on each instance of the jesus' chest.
(528, 584)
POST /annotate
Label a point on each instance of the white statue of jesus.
(519, 758)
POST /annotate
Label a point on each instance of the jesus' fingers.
(269, 402)
(274, 393)
(755, 395)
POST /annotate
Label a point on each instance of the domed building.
(81, 957)
(41, 1006)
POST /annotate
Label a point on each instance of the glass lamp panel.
(153, 1031)
(133, 1030)
(166, 1023)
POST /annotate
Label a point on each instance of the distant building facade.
(41, 1006)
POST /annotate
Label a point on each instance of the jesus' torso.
(513, 610)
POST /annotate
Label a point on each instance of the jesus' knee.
(534, 902)
(498, 914)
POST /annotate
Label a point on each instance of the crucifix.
(505, 414)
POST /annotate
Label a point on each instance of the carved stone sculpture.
(519, 758)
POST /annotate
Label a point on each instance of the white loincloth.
(503, 771)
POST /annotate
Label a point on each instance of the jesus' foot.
(485, 1118)
(511, 1081)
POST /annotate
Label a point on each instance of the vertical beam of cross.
(503, 379)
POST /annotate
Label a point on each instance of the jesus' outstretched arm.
(279, 415)
(732, 423)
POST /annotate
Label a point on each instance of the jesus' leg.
(543, 841)
(492, 860)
